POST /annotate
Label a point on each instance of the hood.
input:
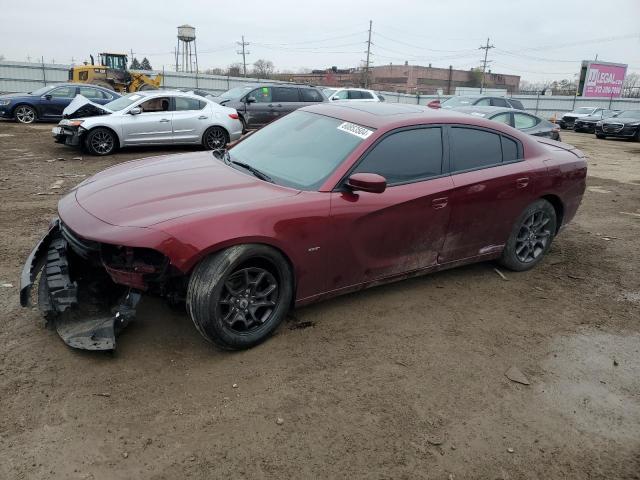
(622, 121)
(10, 96)
(81, 107)
(575, 115)
(146, 192)
(590, 118)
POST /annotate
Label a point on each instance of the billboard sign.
(602, 79)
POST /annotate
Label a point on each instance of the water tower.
(187, 52)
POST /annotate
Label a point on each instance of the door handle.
(271, 105)
(522, 182)
(438, 203)
(165, 120)
(202, 117)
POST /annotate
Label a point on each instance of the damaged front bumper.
(87, 308)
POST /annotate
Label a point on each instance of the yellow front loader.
(112, 73)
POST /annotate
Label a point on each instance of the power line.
(486, 49)
(244, 54)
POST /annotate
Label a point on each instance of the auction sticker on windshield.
(354, 129)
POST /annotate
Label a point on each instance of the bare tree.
(263, 68)
(215, 71)
(234, 69)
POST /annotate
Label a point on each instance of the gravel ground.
(400, 381)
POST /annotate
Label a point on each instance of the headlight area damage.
(89, 290)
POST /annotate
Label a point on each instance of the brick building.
(408, 79)
(428, 80)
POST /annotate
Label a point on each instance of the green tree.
(135, 64)
(145, 65)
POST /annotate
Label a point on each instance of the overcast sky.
(536, 39)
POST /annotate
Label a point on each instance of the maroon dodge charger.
(327, 200)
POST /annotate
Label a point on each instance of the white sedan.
(147, 118)
(359, 94)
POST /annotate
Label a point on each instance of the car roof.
(275, 84)
(483, 109)
(384, 114)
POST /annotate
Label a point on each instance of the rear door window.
(184, 103)
(523, 121)
(472, 149)
(483, 101)
(500, 102)
(92, 93)
(406, 156)
(509, 150)
(285, 94)
(502, 118)
(310, 95)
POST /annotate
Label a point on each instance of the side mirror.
(250, 100)
(48, 96)
(135, 111)
(367, 182)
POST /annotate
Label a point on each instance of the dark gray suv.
(259, 104)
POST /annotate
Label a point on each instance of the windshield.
(300, 150)
(42, 91)
(236, 92)
(629, 114)
(457, 102)
(583, 110)
(123, 102)
(329, 91)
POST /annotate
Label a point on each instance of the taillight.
(235, 116)
(434, 104)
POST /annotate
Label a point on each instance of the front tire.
(600, 136)
(101, 141)
(215, 138)
(531, 237)
(25, 114)
(238, 297)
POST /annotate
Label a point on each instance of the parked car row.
(603, 122)
(333, 198)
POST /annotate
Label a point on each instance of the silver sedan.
(147, 118)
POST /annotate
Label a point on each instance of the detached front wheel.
(239, 296)
(531, 237)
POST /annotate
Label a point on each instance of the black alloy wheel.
(215, 138)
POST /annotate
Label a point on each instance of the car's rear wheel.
(25, 114)
(239, 296)
(101, 141)
(531, 236)
(215, 138)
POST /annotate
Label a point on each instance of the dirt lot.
(402, 381)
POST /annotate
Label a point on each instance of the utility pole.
(486, 49)
(244, 54)
(366, 71)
